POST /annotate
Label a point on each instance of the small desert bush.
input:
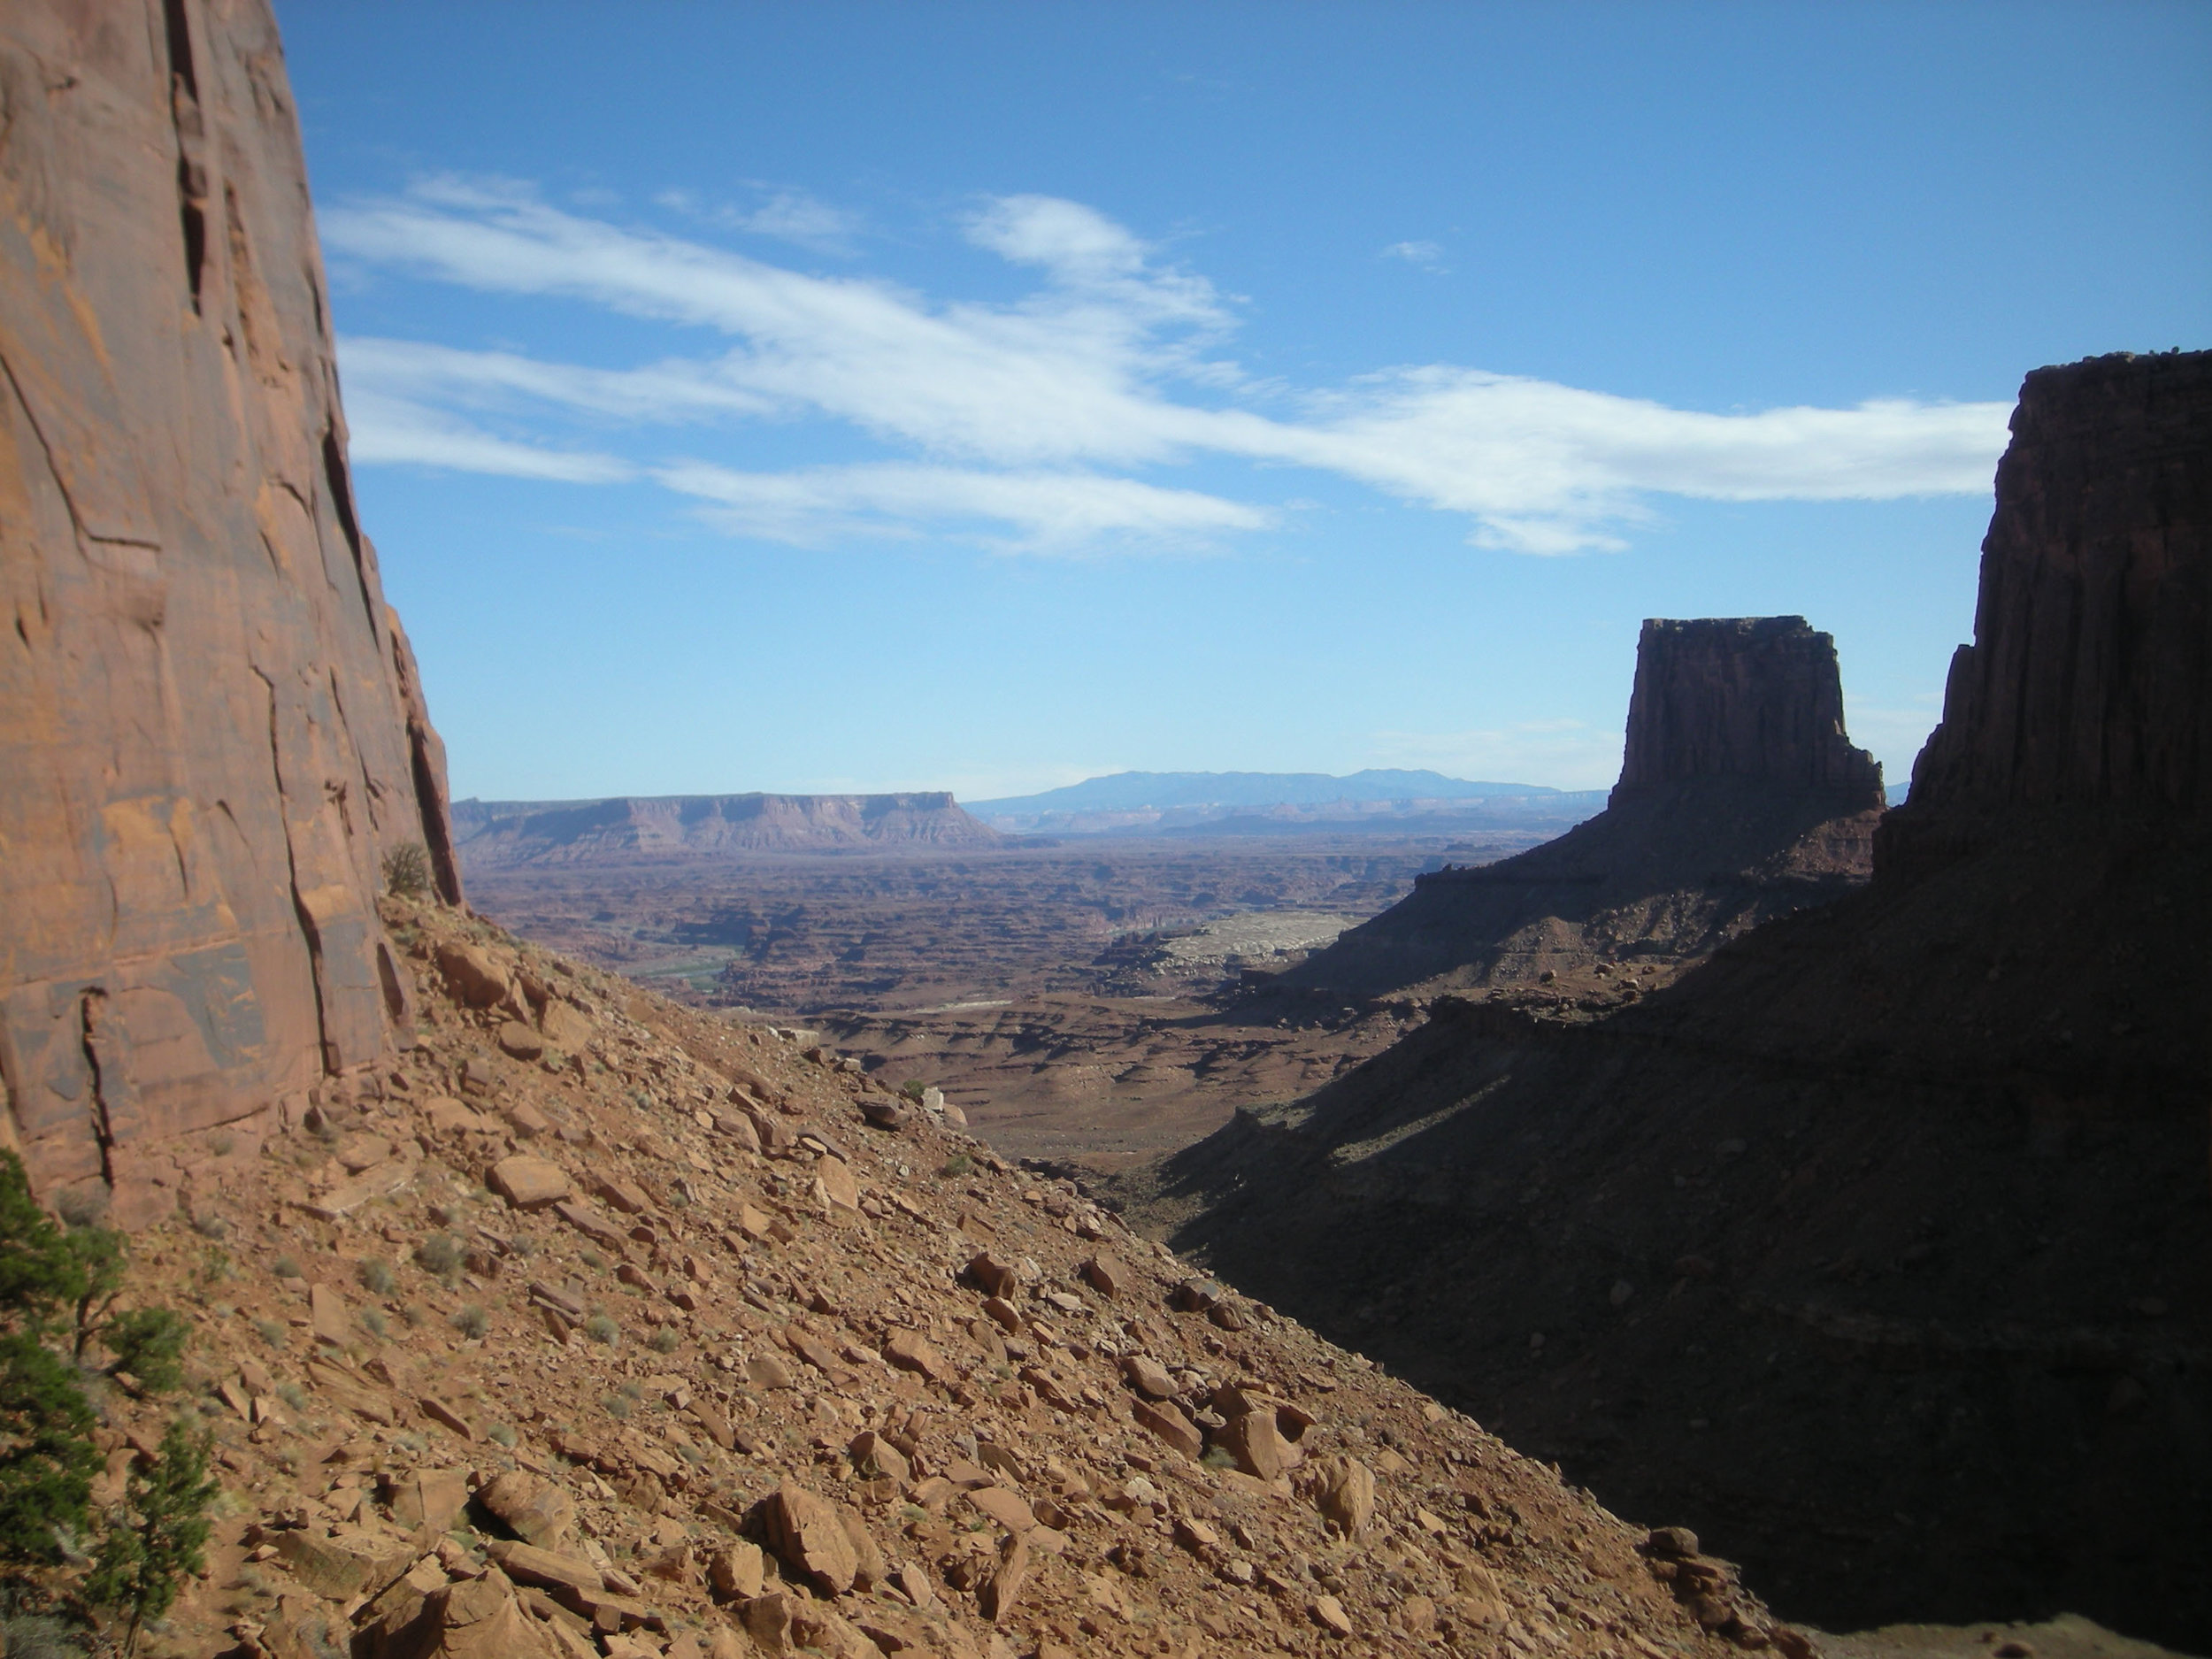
(441, 1255)
(407, 871)
(472, 1322)
(600, 1328)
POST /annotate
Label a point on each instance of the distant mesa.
(1278, 802)
(498, 834)
(1741, 798)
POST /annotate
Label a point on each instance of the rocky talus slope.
(1879, 1246)
(211, 732)
(1740, 799)
(591, 1324)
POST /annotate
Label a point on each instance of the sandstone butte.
(737, 1387)
(1740, 800)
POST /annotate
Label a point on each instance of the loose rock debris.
(669, 1338)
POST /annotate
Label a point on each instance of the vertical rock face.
(2090, 677)
(211, 730)
(1751, 697)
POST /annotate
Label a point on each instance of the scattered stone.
(535, 1509)
(1106, 1276)
(430, 1498)
(804, 1530)
(1164, 1419)
(1329, 1613)
(529, 1183)
(1344, 1491)
(338, 1568)
(910, 1350)
(526, 1564)
(475, 977)
(737, 1571)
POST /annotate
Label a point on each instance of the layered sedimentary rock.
(2089, 682)
(1740, 799)
(1924, 1167)
(1751, 697)
(500, 833)
(210, 730)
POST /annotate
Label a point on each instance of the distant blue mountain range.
(1160, 791)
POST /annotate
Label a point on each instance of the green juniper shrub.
(148, 1343)
(47, 1455)
(160, 1540)
(46, 1470)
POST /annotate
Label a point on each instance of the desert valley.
(1752, 1209)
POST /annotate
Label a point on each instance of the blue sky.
(855, 396)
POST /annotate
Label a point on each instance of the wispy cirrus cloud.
(1040, 511)
(1025, 414)
(1427, 256)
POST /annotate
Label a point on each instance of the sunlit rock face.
(211, 730)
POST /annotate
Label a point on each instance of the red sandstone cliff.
(210, 726)
(2090, 678)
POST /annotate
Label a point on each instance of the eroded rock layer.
(1740, 799)
(210, 730)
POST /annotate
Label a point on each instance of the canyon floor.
(1099, 1001)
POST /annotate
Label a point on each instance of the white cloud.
(1094, 370)
(1427, 255)
(1048, 511)
(393, 431)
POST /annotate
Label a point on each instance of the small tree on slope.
(47, 1457)
(160, 1539)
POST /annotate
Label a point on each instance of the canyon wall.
(495, 834)
(2090, 677)
(211, 728)
(1924, 1166)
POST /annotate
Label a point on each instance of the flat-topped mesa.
(2090, 677)
(1753, 698)
(1740, 799)
(211, 733)
(626, 828)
